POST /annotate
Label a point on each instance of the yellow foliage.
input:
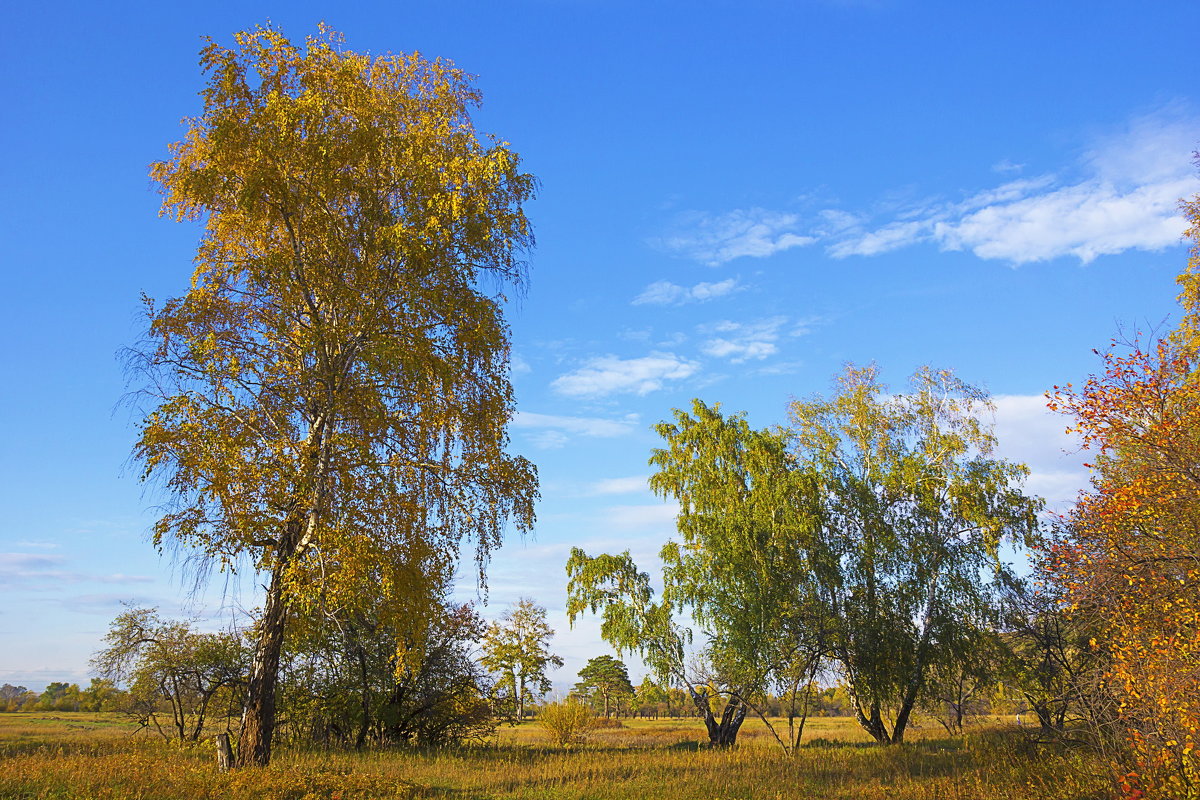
(330, 399)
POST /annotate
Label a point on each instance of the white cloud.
(744, 341)
(629, 485)
(714, 239)
(583, 426)
(612, 375)
(665, 293)
(1030, 433)
(1004, 165)
(1086, 220)
(889, 237)
(833, 221)
(1125, 197)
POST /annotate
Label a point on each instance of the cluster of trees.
(862, 540)
(328, 405)
(347, 680)
(605, 688)
(177, 679)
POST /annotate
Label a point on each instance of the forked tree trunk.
(721, 733)
(870, 718)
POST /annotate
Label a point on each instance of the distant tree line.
(100, 695)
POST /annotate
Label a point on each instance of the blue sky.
(737, 199)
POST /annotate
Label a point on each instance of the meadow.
(66, 756)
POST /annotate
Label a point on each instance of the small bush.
(567, 721)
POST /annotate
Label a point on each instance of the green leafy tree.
(651, 697)
(517, 650)
(741, 569)
(343, 681)
(59, 696)
(166, 663)
(102, 695)
(631, 621)
(16, 698)
(329, 401)
(913, 507)
(1050, 664)
(604, 681)
(961, 684)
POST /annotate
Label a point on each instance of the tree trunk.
(258, 718)
(872, 723)
(723, 733)
(918, 673)
(520, 698)
(224, 753)
(906, 708)
(364, 726)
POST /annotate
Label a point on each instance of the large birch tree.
(329, 400)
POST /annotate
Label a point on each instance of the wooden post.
(224, 752)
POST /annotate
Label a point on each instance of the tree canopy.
(517, 649)
(914, 505)
(330, 398)
(605, 681)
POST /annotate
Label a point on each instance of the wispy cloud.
(518, 365)
(106, 603)
(746, 341)
(607, 375)
(629, 485)
(714, 239)
(583, 426)
(665, 293)
(1124, 196)
(549, 440)
(550, 432)
(47, 570)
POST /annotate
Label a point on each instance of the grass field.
(78, 756)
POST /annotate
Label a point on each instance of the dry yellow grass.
(92, 756)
